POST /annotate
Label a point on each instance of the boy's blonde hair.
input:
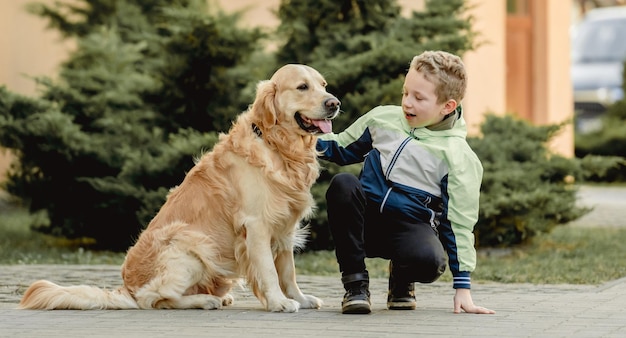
(446, 71)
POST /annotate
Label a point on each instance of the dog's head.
(296, 94)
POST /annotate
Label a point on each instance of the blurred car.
(598, 55)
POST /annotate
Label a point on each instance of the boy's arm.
(347, 147)
(462, 208)
(461, 193)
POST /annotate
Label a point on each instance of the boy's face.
(419, 101)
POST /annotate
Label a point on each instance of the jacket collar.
(447, 122)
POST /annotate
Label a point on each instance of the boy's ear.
(449, 106)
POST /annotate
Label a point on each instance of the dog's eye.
(303, 86)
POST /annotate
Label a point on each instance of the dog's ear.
(264, 105)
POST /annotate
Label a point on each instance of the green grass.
(20, 245)
(567, 255)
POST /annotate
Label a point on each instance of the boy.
(416, 197)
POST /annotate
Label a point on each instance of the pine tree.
(364, 47)
(147, 89)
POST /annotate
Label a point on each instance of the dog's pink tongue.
(326, 126)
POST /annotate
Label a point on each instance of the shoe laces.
(356, 290)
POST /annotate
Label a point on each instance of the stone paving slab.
(523, 310)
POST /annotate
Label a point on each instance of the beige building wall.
(29, 49)
(554, 95)
(486, 66)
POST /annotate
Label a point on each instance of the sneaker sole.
(401, 305)
(356, 307)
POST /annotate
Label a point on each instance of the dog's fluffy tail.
(45, 295)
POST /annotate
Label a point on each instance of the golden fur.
(236, 214)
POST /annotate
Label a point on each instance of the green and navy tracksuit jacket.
(427, 175)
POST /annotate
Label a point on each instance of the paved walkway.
(523, 310)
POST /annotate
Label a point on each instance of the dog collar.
(256, 130)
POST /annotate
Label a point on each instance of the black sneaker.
(357, 297)
(401, 296)
(356, 301)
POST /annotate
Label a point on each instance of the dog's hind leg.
(178, 273)
(199, 301)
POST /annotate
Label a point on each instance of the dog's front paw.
(283, 305)
(310, 302)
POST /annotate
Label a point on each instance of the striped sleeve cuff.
(462, 282)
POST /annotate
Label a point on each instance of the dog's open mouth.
(322, 126)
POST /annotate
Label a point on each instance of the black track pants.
(359, 230)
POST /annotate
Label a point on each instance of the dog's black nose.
(332, 104)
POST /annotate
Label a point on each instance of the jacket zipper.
(395, 156)
(393, 161)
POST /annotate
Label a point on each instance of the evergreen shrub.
(526, 188)
(148, 88)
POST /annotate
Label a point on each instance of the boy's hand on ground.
(463, 301)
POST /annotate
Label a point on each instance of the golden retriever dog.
(235, 217)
